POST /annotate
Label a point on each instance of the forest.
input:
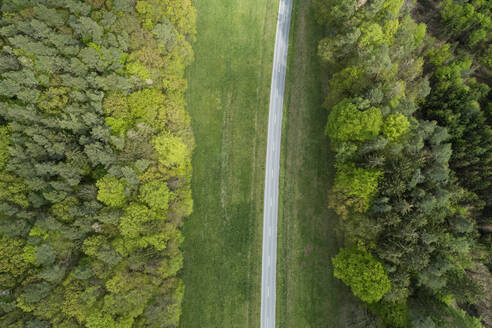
(96, 146)
(95, 161)
(409, 120)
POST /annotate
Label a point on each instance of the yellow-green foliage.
(372, 35)
(29, 254)
(174, 312)
(170, 266)
(115, 106)
(78, 300)
(362, 272)
(395, 125)
(11, 188)
(133, 222)
(181, 13)
(118, 125)
(346, 122)
(172, 153)
(142, 227)
(136, 68)
(38, 232)
(97, 320)
(343, 204)
(4, 144)
(390, 28)
(392, 7)
(53, 100)
(13, 262)
(358, 182)
(92, 244)
(148, 105)
(155, 194)
(95, 169)
(111, 191)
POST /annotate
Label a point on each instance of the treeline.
(413, 161)
(95, 169)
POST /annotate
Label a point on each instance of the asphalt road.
(270, 205)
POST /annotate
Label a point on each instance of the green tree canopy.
(362, 272)
(395, 125)
(347, 122)
(358, 182)
(95, 168)
(111, 191)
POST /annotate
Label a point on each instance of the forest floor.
(307, 293)
(229, 85)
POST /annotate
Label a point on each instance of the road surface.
(270, 205)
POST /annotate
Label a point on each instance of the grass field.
(229, 86)
(307, 293)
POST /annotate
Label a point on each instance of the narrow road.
(270, 205)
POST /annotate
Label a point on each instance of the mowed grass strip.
(229, 85)
(307, 293)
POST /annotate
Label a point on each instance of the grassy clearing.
(229, 86)
(307, 293)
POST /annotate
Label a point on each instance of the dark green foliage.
(95, 150)
(427, 311)
(469, 22)
(455, 103)
(392, 314)
(464, 105)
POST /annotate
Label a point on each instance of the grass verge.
(307, 293)
(229, 86)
